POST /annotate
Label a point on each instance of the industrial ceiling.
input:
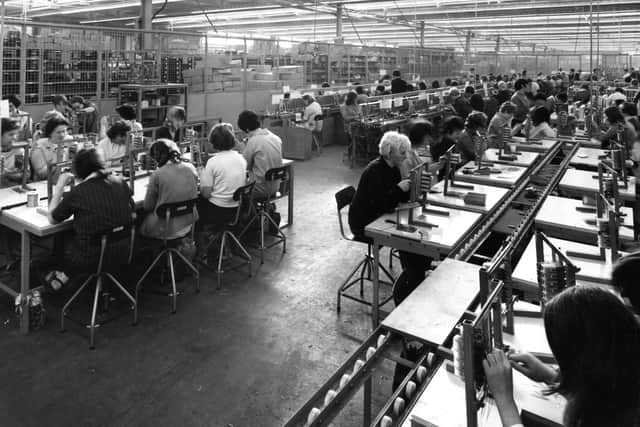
(539, 25)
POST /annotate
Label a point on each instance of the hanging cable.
(206, 16)
(163, 7)
(355, 30)
(406, 20)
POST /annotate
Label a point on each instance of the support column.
(339, 21)
(146, 13)
(422, 34)
(467, 48)
(497, 54)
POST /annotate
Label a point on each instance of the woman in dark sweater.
(380, 190)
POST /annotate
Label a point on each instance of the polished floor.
(248, 355)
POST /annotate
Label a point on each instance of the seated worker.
(521, 101)
(98, 203)
(263, 152)
(596, 341)
(380, 190)
(61, 106)
(460, 103)
(88, 116)
(225, 172)
(422, 135)
(44, 152)
(23, 118)
(554, 100)
(502, 120)
(617, 124)
(452, 127)
(629, 111)
(466, 145)
(174, 181)
(172, 127)
(350, 110)
(624, 278)
(13, 158)
(381, 90)
(398, 85)
(362, 97)
(312, 110)
(477, 103)
(113, 148)
(540, 127)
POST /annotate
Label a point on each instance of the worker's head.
(477, 102)
(562, 97)
(624, 278)
(629, 109)
(176, 116)
(14, 102)
(421, 133)
(248, 121)
(539, 116)
(396, 74)
(10, 130)
(117, 133)
(164, 150)
(86, 162)
(452, 127)
(222, 139)
(308, 99)
(454, 94)
(502, 85)
(60, 103)
(476, 121)
(595, 339)
(468, 91)
(126, 111)
(380, 90)
(56, 128)
(350, 98)
(360, 90)
(521, 85)
(77, 102)
(614, 115)
(435, 84)
(393, 147)
(508, 109)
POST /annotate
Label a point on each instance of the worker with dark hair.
(398, 85)
(362, 97)
(172, 127)
(540, 124)
(13, 158)
(452, 127)
(87, 112)
(629, 111)
(624, 278)
(422, 135)
(521, 101)
(114, 147)
(595, 340)
(466, 144)
(128, 114)
(477, 103)
(23, 118)
(43, 153)
(500, 123)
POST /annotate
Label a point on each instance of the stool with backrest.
(169, 211)
(261, 212)
(105, 263)
(343, 199)
(244, 197)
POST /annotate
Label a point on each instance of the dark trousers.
(414, 269)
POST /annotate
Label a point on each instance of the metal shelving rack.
(151, 101)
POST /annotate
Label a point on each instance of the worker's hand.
(532, 367)
(499, 375)
(405, 185)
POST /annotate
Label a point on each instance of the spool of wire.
(552, 279)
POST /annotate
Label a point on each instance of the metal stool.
(316, 133)
(243, 195)
(343, 199)
(261, 214)
(169, 211)
(115, 235)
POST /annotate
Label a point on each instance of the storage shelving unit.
(151, 101)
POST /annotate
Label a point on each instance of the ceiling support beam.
(338, 21)
(145, 22)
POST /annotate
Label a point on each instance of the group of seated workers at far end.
(100, 200)
(594, 335)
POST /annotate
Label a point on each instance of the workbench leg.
(376, 286)
(25, 262)
(290, 198)
(368, 392)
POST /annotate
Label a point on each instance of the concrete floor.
(248, 355)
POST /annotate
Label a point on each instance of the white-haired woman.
(380, 190)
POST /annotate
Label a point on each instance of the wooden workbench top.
(587, 157)
(581, 182)
(494, 196)
(501, 175)
(538, 146)
(523, 158)
(433, 309)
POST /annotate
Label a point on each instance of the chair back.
(116, 234)
(244, 196)
(275, 174)
(343, 199)
(175, 210)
